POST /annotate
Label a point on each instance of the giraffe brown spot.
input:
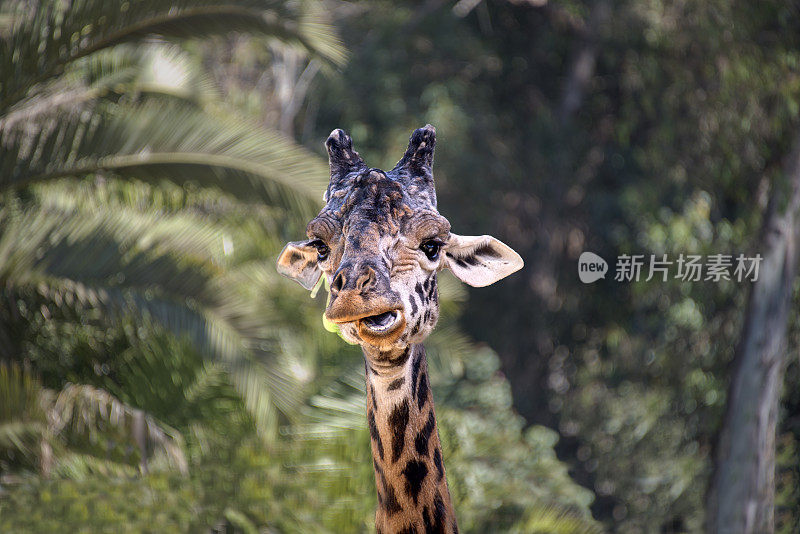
(398, 421)
(435, 522)
(416, 327)
(422, 391)
(396, 384)
(415, 473)
(413, 302)
(424, 435)
(432, 292)
(401, 360)
(390, 503)
(373, 432)
(437, 460)
(439, 511)
(415, 368)
(420, 292)
(430, 282)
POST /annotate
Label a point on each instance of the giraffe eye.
(431, 249)
(322, 249)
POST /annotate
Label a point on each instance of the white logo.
(591, 267)
(689, 267)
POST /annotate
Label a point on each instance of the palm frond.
(123, 249)
(249, 379)
(252, 359)
(20, 436)
(85, 410)
(132, 71)
(23, 422)
(78, 466)
(248, 231)
(32, 417)
(19, 395)
(168, 270)
(554, 519)
(161, 141)
(160, 68)
(63, 94)
(47, 36)
(339, 409)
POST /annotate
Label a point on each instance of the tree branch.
(742, 493)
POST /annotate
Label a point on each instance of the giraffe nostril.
(366, 279)
(338, 282)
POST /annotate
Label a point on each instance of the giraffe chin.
(382, 331)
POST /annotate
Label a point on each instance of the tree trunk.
(742, 493)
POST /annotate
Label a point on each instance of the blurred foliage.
(155, 372)
(79, 429)
(616, 127)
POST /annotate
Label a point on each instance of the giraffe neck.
(409, 471)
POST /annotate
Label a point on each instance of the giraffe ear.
(298, 261)
(480, 260)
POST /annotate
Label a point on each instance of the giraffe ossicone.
(380, 241)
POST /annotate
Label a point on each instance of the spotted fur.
(395, 384)
(413, 469)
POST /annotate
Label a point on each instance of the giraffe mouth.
(381, 323)
(380, 329)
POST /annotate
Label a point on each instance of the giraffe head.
(380, 241)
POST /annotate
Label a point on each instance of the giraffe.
(380, 241)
